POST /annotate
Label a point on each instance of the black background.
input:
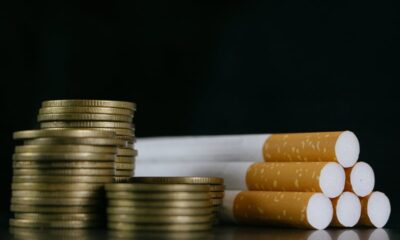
(217, 67)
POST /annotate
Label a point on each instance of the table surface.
(220, 232)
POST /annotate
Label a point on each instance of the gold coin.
(159, 196)
(123, 173)
(52, 224)
(88, 124)
(147, 187)
(192, 235)
(62, 179)
(119, 132)
(127, 166)
(216, 201)
(124, 159)
(60, 217)
(62, 165)
(89, 103)
(101, 110)
(83, 117)
(126, 138)
(41, 201)
(158, 227)
(39, 234)
(54, 209)
(64, 172)
(155, 212)
(159, 219)
(57, 186)
(217, 188)
(62, 133)
(64, 149)
(58, 194)
(160, 203)
(217, 194)
(126, 152)
(63, 156)
(178, 180)
(77, 141)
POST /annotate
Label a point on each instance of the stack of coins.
(215, 184)
(105, 115)
(59, 177)
(159, 207)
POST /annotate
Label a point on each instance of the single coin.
(40, 234)
(119, 132)
(159, 219)
(87, 124)
(148, 187)
(58, 194)
(54, 209)
(216, 201)
(89, 103)
(52, 224)
(160, 204)
(178, 180)
(63, 156)
(192, 235)
(62, 179)
(126, 138)
(120, 179)
(83, 117)
(126, 152)
(64, 172)
(124, 159)
(77, 141)
(60, 217)
(41, 201)
(217, 188)
(123, 173)
(65, 133)
(159, 196)
(124, 166)
(217, 194)
(57, 186)
(155, 212)
(101, 110)
(63, 164)
(65, 149)
(158, 227)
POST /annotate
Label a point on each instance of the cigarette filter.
(360, 179)
(297, 209)
(342, 147)
(347, 210)
(375, 210)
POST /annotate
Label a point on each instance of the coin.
(52, 224)
(120, 179)
(64, 149)
(178, 180)
(124, 159)
(145, 187)
(124, 166)
(89, 103)
(126, 152)
(160, 203)
(58, 194)
(159, 219)
(155, 212)
(62, 216)
(216, 201)
(101, 110)
(159, 196)
(64, 172)
(158, 227)
(192, 235)
(123, 173)
(57, 186)
(62, 165)
(88, 124)
(54, 209)
(62, 179)
(217, 194)
(83, 117)
(217, 188)
(79, 141)
(65, 133)
(41, 201)
(63, 156)
(119, 132)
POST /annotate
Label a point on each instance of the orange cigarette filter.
(297, 209)
(342, 147)
(326, 177)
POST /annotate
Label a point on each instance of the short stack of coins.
(116, 116)
(216, 187)
(59, 177)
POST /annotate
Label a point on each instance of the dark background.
(217, 67)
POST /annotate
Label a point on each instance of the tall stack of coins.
(104, 115)
(147, 207)
(59, 177)
(215, 184)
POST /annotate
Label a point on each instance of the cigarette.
(342, 147)
(328, 178)
(347, 210)
(360, 179)
(297, 209)
(375, 210)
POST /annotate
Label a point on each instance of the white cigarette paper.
(360, 179)
(375, 210)
(347, 210)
